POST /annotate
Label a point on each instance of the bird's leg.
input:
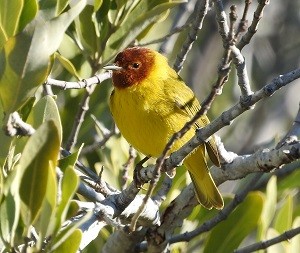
(136, 172)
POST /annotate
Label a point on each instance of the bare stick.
(200, 12)
(265, 244)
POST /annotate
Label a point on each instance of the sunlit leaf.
(39, 156)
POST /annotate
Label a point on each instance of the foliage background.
(38, 40)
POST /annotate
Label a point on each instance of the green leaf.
(29, 11)
(39, 156)
(26, 108)
(61, 5)
(295, 241)
(284, 218)
(86, 29)
(44, 110)
(67, 65)
(69, 161)
(69, 186)
(46, 222)
(143, 15)
(71, 244)
(9, 213)
(290, 181)
(10, 12)
(25, 58)
(5, 142)
(228, 235)
(269, 208)
(97, 4)
(65, 233)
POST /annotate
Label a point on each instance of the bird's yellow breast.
(147, 115)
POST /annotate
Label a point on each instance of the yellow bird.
(149, 103)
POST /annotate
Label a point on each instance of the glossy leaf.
(284, 217)
(39, 156)
(228, 235)
(25, 58)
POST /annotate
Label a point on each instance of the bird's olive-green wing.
(187, 102)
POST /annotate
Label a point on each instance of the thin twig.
(84, 107)
(258, 14)
(84, 83)
(243, 25)
(200, 12)
(287, 235)
(126, 166)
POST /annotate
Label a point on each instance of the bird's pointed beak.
(112, 67)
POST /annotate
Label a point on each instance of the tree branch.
(265, 244)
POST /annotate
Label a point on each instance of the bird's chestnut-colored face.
(135, 63)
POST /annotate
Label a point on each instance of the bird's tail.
(206, 191)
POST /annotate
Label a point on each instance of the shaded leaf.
(41, 149)
(229, 234)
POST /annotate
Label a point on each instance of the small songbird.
(149, 103)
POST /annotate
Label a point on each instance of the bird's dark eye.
(136, 65)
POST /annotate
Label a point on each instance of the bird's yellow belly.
(147, 128)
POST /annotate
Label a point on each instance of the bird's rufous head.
(131, 66)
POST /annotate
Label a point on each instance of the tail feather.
(207, 193)
(206, 190)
